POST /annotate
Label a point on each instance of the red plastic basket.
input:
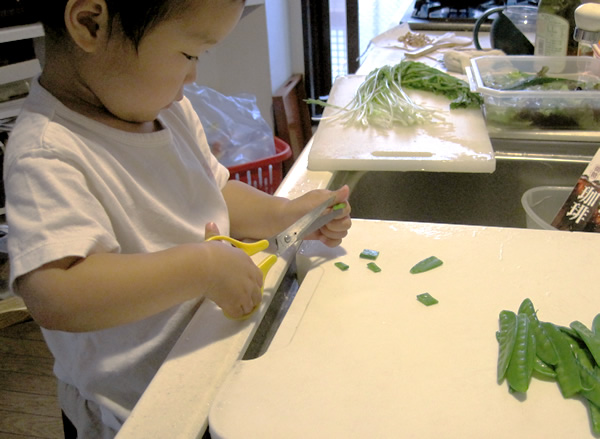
(265, 174)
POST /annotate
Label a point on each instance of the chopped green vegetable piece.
(427, 299)
(341, 266)
(339, 206)
(373, 267)
(369, 254)
(426, 264)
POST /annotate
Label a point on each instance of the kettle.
(507, 29)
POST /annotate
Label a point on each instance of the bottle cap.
(587, 17)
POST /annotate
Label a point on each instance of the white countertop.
(177, 402)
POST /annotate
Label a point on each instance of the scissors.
(290, 238)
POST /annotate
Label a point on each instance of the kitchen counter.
(178, 400)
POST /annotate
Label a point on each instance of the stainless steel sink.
(462, 198)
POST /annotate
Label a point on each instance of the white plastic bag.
(235, 129)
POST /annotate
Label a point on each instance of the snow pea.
(596, 324)
(544, 349)
(520, 366)
(567, 370)
(506, 341)
(591, 384)
(426, 264)
(591, 339)
(595, 417)
(543, 370)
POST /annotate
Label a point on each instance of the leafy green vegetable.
(419, 76)
(427, 299)
(426, 264)
(381, 101)
(566, 111)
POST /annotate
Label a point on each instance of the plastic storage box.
(542, 203)
(265, 174)
(569, 105)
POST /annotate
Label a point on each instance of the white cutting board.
(358, 357)
(459, 144)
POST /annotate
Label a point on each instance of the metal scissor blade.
(309, 223)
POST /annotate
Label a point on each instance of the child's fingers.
(211, 229)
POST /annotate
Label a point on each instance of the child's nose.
(191, 74)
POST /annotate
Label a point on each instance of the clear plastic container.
(539, 109)
(542, 203)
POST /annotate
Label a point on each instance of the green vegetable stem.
(381, 100)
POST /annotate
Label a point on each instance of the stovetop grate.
(455, 15)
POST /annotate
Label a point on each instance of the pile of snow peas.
(568, 355)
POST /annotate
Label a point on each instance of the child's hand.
(236, 282)
(332, 233)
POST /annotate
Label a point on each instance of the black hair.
(135, 17)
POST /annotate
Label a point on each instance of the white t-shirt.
(77, 187)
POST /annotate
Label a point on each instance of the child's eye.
(190, 57)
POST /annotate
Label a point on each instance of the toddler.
(112, 191)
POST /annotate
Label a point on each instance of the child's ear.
(87, 22)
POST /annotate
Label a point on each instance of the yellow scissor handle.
(250, 249)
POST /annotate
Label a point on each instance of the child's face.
(134, 87)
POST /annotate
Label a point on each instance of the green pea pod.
(591, 384)
(520, 367)
(543, 347)
(543, 370)
(506, 341)
(567, 370)
(595, 417)
(591, 340)
(596, 324)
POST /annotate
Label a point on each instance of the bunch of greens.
(381, 101)
(568, 355)
(420, 76)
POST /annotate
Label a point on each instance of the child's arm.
(108, 289)
(254, 214)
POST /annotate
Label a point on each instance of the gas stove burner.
(453, 15)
